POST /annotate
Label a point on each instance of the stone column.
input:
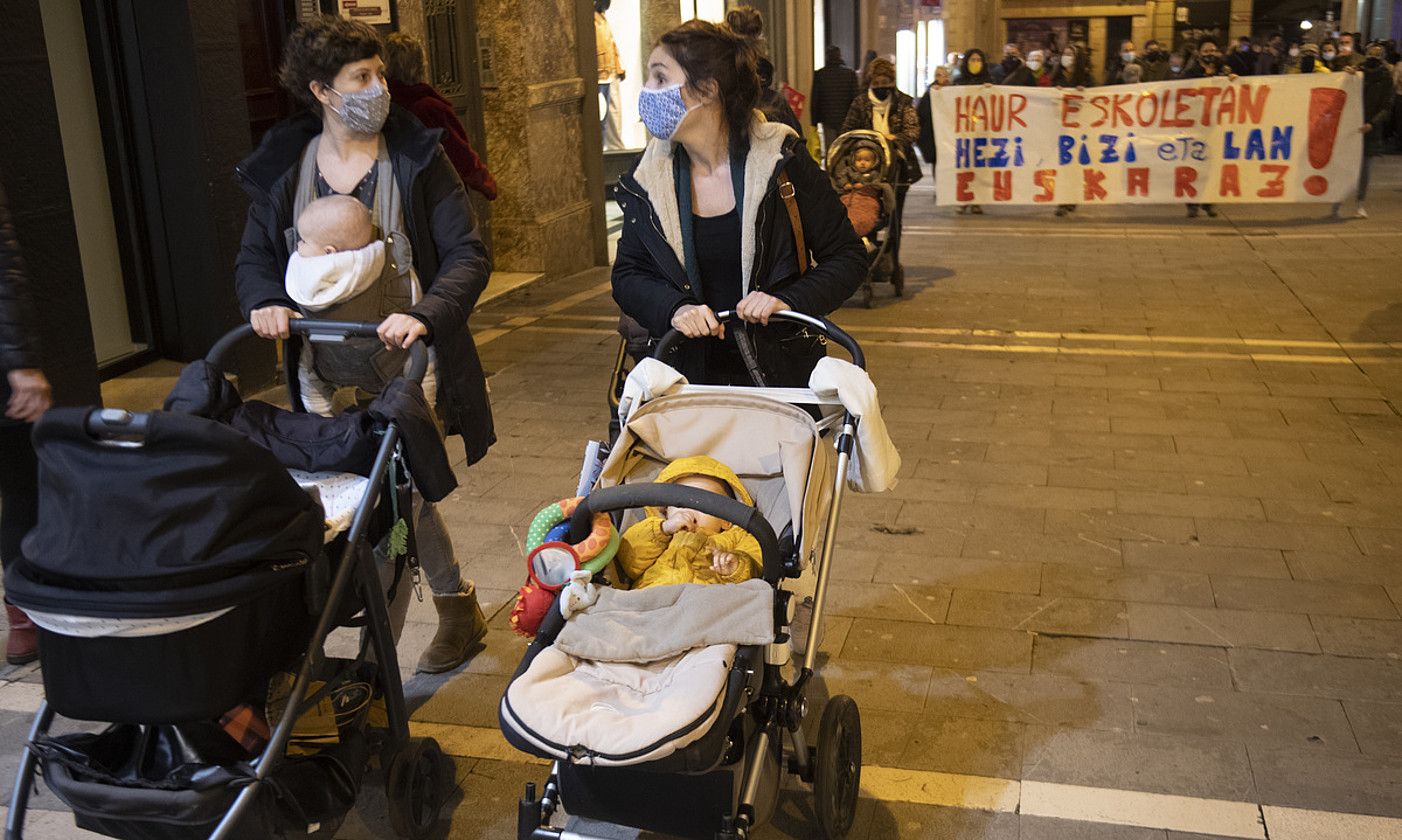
(656, 17)
(544, 217)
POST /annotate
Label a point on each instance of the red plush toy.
(532, 603)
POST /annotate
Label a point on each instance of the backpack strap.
(786, 192)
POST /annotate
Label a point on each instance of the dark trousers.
(897, 222)
(19, 488)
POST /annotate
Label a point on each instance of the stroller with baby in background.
(187, 569)
(876, 213)
(697, 741)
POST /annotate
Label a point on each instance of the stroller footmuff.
(652, 682)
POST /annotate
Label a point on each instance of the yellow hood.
(709, 467)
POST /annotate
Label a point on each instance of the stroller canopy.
(194, 518)
(774, 447)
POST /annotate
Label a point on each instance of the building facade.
(131, 117)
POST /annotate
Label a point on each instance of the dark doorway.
(263, 27)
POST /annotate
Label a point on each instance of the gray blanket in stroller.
(660, 622)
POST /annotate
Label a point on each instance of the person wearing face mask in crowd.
(1114, 70)
(1012, 59)
(1175, 66)
(1209, 65)
(1042, 72)
(1242, 61)
(1073, 68)
(973, 70)
(892, 113)
(705, 228)
(1155, 62)
(1271, 59)
(1309, 61)
(1016, 72)
(924, 112)
(1378, 98)
(1073, 72)
(1347, 54)
(351, 141)
(1290, 62)
(1329, 53)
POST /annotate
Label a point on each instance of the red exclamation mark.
(1326, 109)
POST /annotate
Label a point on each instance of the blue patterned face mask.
(662, 110)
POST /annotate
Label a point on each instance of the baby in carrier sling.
(348, 263)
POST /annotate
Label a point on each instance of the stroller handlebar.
(825, 327)
(322, 331)
(627, 496)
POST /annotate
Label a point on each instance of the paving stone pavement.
(1147, 537)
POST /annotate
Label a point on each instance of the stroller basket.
(149, 800)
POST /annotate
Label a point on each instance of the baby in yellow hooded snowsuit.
(681, 545)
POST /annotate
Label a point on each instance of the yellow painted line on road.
(1129, 337)
(1189, 814)
(948, 790)
(975, 228)
(471, 742)
(1208, 340)
(1077, 803)
(1055, 350)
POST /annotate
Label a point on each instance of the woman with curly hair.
(351, 142)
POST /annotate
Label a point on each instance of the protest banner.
(1280, 139)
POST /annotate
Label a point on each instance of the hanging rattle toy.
(550, 560)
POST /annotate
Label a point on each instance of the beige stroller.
(707, 761)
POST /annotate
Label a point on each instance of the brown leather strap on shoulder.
(786, 191)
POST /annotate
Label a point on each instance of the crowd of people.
(1071, 66)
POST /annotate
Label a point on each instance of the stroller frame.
(878, 270)
(774, 715)
(412, 764)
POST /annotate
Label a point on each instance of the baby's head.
(334, 223)
(705, 523)
(864, 160)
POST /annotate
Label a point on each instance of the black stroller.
(177, 571)
(715, 776)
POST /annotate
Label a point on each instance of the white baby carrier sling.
(364, 362)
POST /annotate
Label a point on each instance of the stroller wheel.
(838, 774)
(415, 789)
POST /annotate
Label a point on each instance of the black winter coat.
(1378, 95)
(449, 257)
(650, 282)
(834, 88)
(19, 347)
(903, 121)
(925, 112)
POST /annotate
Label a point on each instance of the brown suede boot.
(461, 625)
(22, 646)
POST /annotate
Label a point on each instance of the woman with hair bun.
(705, 227)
